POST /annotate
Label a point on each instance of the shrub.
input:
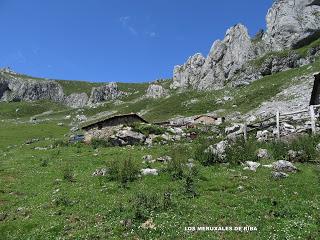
(278, 149)
(63, 200)
(68, 175)
(96, 143)
(241, 151)
(44, 162)
(189, 186)
(60, 143)
(147, 129)
(307, 145)
(123, 171)
(206, 158)
(144, 204)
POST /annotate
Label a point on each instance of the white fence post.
(313, 120)
(278, 124)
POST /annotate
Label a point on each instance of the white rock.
(263, 153)
(149, 171)
(252, 166)
(279, 175)
(284, 166)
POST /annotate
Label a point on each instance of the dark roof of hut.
(100, 120)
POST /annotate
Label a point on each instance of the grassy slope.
(246, 98)
(93, 208)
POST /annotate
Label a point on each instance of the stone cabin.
(315, 96)
(104, 128)
(209, 120)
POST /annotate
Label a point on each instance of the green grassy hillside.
(47, 190)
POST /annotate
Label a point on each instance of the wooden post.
(245, 132)
(278, 124)
(313, 120)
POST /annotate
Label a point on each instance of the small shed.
(209, 120)
(315, 96)
(104, 128)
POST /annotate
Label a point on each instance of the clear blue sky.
(116, 40)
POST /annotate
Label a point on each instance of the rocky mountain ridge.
(290, 24)
(15, 88)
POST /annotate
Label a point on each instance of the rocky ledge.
(15, 87)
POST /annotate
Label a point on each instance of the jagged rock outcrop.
(76, 100)
(15, 89)
(292, 24)
(226, 57)
(106, 92)
(156, 91)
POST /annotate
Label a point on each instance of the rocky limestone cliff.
(15, 87)
(290, 24)
(106, 92)
(226, 57)
(156, 91)
(76, 100)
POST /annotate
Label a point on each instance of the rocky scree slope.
(291, 24)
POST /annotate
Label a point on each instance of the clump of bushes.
(278, 149)
(241, 151)
(206, 158)
(96, 143)
(307, 145)
(147, 129)
(60, 143)
(68, 175)
(44, 162)
(144, 204)
(177, 166)
(190, 186)
(124, 171)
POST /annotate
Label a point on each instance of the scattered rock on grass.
(279, 175)
(296, 156)
(263, 153)
(252, 166)
(284, 166)
(149, 171)
(164, 159)
(100, 172)
(148, 224)
(148, 159)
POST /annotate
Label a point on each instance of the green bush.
(189, 186)
(96, 143)
(60, 143)
(206, 158)
(307, 146)
(144, 203)
(278, 149)
(68, 175)
(124, 171)
(147, 129)
(44, 162)
(241, 151)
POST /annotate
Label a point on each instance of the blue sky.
(116, 40)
